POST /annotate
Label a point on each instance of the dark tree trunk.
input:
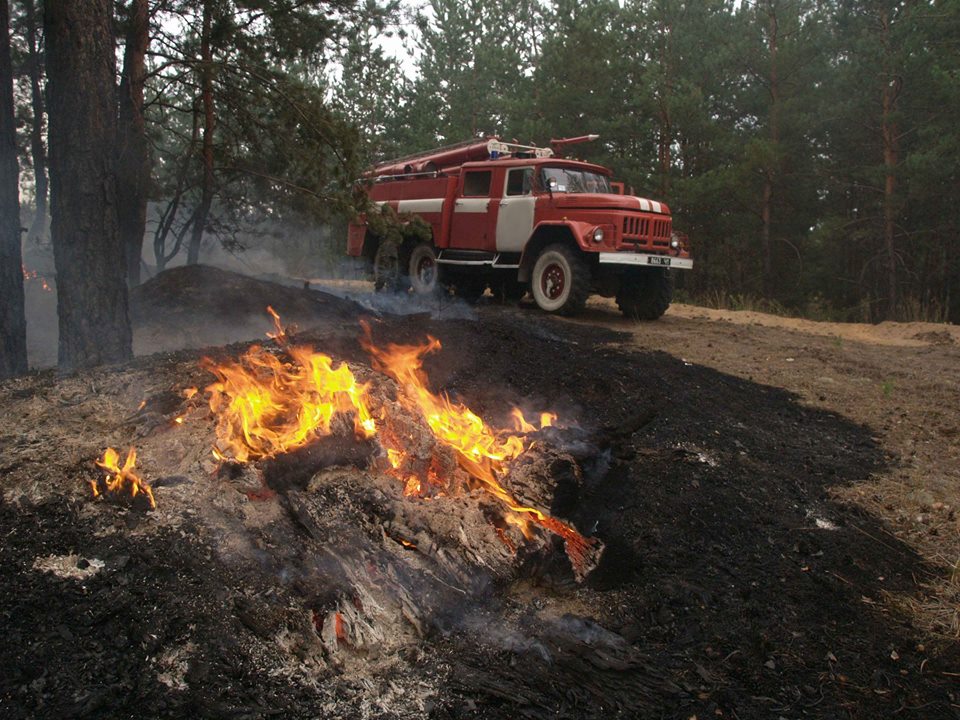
(38, 228)
(771, 173)
(890, 136)
(13, 326)
(664, 98)
(133, 156)
(206, 90)
(89, 258)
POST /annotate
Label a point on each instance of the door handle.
(504, 203)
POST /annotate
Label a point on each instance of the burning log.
(294, 469)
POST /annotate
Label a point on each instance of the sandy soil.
(901, 380)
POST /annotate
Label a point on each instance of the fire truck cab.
(519, 218)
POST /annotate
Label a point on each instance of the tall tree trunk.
(891, 158)
(770, 174)
(206, 90)
(38, 153)
(13, 325)
(90, 260)
(133, 155)
(665, 139)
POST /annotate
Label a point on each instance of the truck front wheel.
(423, 269)
(560, 282)
(645, 295)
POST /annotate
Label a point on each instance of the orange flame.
(121, 478)
(482, 452)
(521, 424)
(265, 406)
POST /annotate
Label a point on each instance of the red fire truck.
(517, 218)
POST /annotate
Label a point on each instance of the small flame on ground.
(122, 478)
(280, 332)
(521, 424)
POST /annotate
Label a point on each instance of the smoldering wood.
(295, 468)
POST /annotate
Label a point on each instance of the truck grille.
(647, 230)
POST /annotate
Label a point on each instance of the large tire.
(423, 269)
(561, 280)
(645, 295)
(387, 275)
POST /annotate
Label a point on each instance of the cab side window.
(476, 183)
(520, 181)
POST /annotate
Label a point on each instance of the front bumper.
(645, 260)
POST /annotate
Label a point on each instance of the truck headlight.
(598, 235)
(674, 242)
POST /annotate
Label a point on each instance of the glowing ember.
(30, 275)
(122, 479)
(266, 406)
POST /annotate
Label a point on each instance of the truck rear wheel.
(645, 295)
(386, 268)
(560, 282)
(423, 269)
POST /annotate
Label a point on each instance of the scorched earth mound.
(665, 546)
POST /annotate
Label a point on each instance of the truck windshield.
(572, 180)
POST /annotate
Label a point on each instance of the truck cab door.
(517, 207)
(471, 227)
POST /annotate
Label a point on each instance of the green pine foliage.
(761, 123)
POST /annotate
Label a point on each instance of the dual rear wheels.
(397, 269)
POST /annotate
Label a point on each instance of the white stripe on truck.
(429, 205)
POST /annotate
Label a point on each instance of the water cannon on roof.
(451, 157)
(559, 144)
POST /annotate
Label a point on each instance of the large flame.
(481, 451)
(266, 405)
(122, 478)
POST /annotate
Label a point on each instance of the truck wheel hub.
(552, 281)
(425, 269)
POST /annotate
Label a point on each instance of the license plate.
(658, 260)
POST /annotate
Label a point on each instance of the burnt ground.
(740, 576)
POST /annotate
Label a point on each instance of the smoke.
(438, 306)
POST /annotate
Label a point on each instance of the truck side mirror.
(551, 184)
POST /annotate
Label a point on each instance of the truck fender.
(573, 232)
